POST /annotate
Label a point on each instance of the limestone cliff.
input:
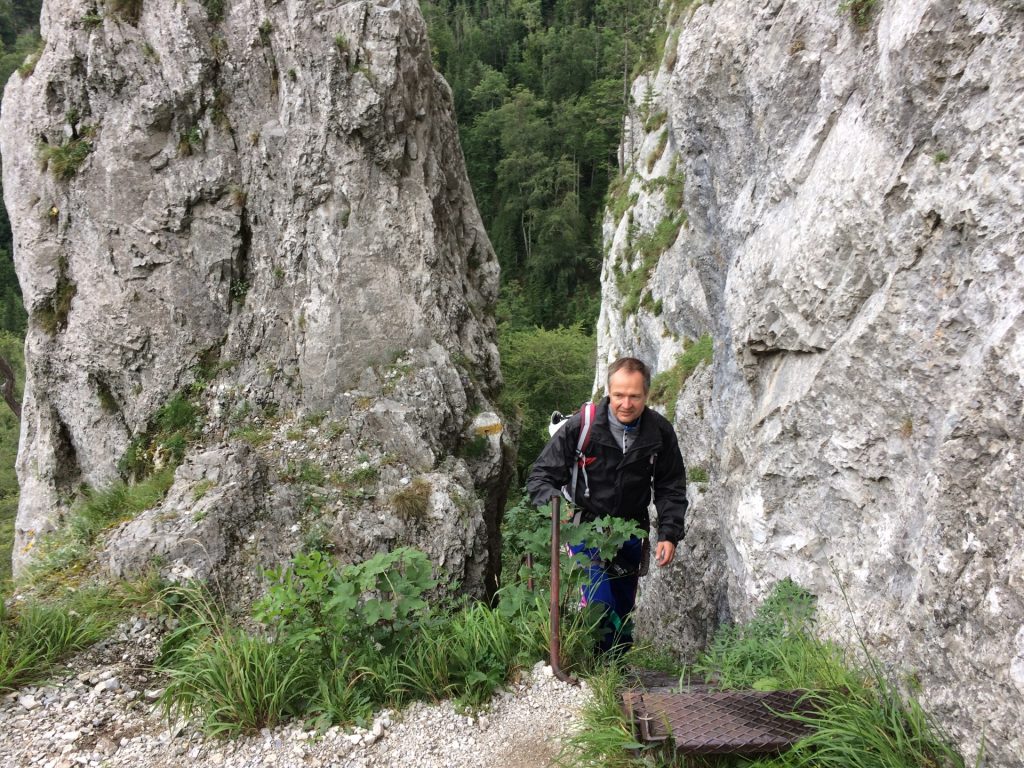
(839, 205)
(260, 206)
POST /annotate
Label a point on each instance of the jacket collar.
(647, 434)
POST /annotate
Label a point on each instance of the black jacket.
(619, 485)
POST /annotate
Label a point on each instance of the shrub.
(544, 370)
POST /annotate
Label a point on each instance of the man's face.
(626, 396)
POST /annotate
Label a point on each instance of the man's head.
(629, 381)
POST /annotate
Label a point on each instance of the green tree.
(545, 370)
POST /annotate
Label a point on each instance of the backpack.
(580, 462)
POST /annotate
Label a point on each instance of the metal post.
(556, 666)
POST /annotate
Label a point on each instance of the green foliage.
(214, 9)
(539, 96)
(657, 152)
(527, 531)
(64, 160)
(36, 633)
(11, 349)
(303, 471)
(175, 426)
(412, 501)
(34, 637)
(861, 720)
(235, 680)
(697, 475)
(619, 200)
(632, 280)
(129, 10)
(69, 546)
(666, 386)
(544, 371)
(604, 737)
(31, 57)
(53, 314)
(190, 141)
(859, 10)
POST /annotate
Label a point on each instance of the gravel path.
(101, 713)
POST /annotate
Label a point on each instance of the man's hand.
(664, 553)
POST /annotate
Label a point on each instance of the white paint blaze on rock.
(853, 243)
(282, 191)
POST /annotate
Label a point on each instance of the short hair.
(630, 365)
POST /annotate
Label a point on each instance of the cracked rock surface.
(850, 223)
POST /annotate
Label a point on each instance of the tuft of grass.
(97, 511)
(666, 386)
(303, 471)
(53, 314)
(859, 10)
(35, 637)
(190, 141)
(940, 157)
(264, 30)
(604, 737)
(64, 160)
(412, 501)
(29, 65)
(655, 121)
(697, 475)
(658, 151)
(233, 680)
(214, 9)
(127, 10)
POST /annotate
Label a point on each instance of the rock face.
(271, 219)
(841, 210)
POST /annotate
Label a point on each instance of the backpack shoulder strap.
(587, 412)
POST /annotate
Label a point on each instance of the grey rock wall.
(275, 200)
(853, 239)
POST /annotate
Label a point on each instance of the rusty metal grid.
(718, 722)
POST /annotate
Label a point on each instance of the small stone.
(28, 701)
(109, 684)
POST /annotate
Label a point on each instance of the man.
(633, 451)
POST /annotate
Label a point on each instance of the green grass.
(64, 160)
(666, 386)
(859, 10)
(604, 738)
(862, 719)
(70, 546)
(36, 635)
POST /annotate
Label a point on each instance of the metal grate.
(719, 722)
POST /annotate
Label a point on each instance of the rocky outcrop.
(840, 208)
(261, 207)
